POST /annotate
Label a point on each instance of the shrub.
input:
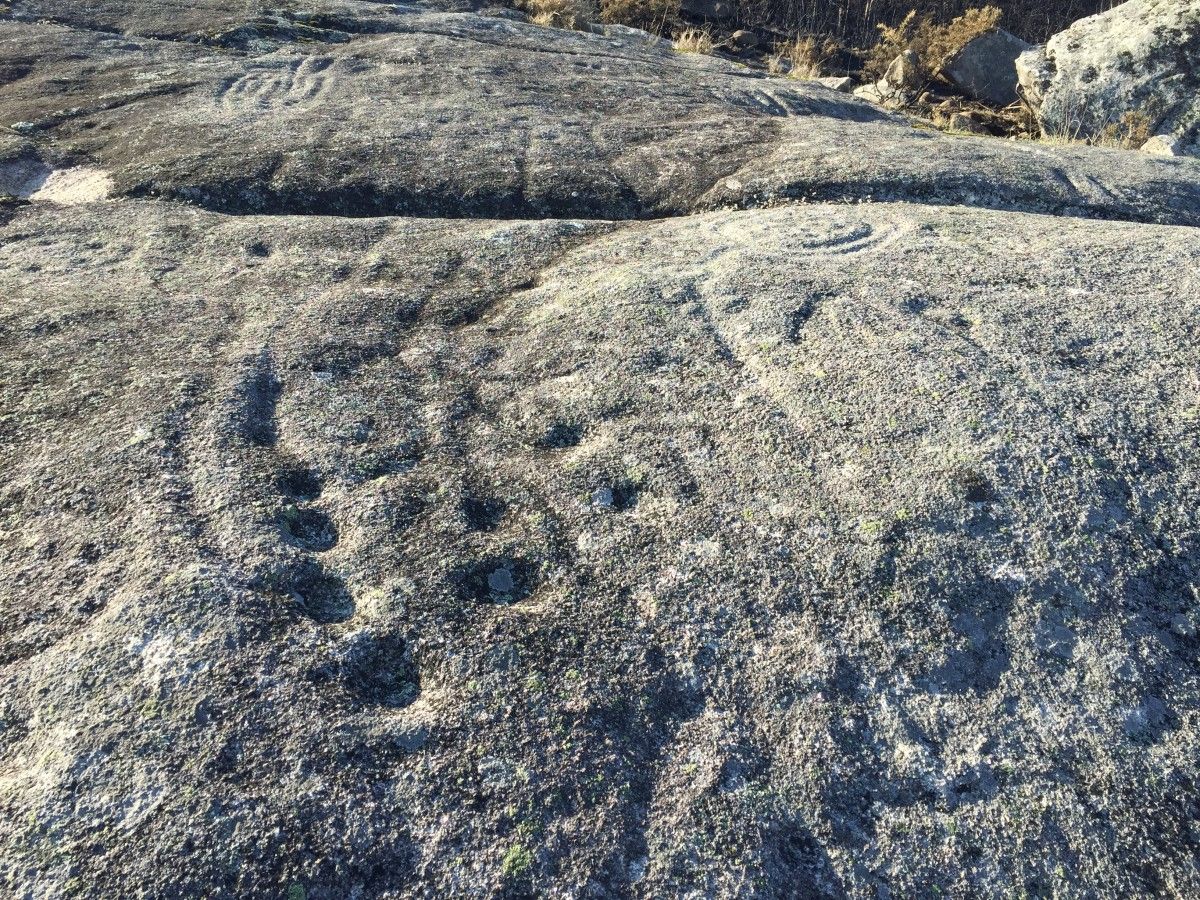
(941, 42)
(650, 15)
(934, 44)
(893, 40)
(1130, 133)
(804, 57)
(575, 15)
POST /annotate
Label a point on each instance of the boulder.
(1164, 145)
(880, 93)
(965, 123)
(843, 85)
(743, 40)
(985, 68)
(905, 74)
(1138, 63)
(902, 81)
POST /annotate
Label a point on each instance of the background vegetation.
(856, 22)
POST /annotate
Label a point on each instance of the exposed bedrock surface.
(809, 550)
(466, 115)
(730, 550)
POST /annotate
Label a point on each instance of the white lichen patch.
(29, 179)
(81, 184)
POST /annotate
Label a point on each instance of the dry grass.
(695, 40)
(1130, 132)
(963, 115)
(650, 15)
(934, 44)
(893, 40)
(1077, 119)
(804, 57)
(574, 15)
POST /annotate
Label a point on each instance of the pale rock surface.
(905, 73)
(1140, 59)
(465, 459)
(843, 85)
